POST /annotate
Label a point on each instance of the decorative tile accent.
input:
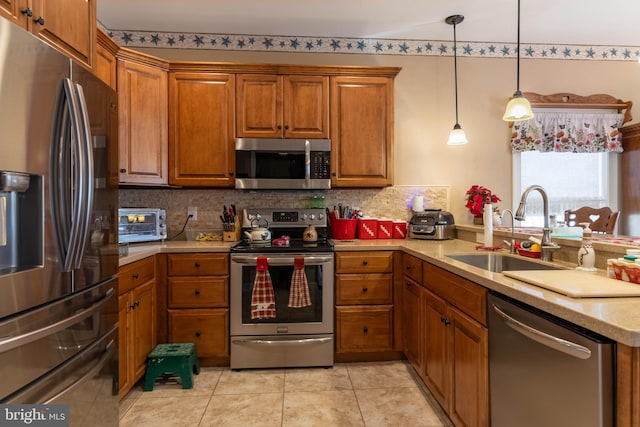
(363, 46)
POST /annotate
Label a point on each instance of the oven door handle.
(307, 164)
(302, 341)
(308, 260)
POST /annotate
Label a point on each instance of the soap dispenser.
(586, 253)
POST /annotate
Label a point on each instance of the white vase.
(487, 214)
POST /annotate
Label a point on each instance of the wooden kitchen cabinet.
(282, 106)
(201, 129)
(143, 114)
(413, 294)
(456, 367)
(198, 302)
(136, 320)
(68, 25)
(105, 64)
(364, 302)
(361, 131)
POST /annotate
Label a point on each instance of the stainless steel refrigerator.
(58, 235)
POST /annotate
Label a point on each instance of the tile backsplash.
(390, 202)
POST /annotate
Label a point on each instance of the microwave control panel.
(320, 165)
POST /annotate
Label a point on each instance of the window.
(571, 180)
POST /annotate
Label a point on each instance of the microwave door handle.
(307, 164)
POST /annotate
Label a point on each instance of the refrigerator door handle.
(70, 174)
(9, 343)
(106, 356)
(85, 182)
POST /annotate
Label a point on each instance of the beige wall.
(425, 112)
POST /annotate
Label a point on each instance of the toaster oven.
(432, 224)
(141, 225)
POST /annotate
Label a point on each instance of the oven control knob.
(320, 216)
(303, 217)
(312, 217)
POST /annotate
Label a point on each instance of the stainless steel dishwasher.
(545, 371)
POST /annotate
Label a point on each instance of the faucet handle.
(548, 250)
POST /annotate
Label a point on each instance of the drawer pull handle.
(408, 267)
(365, 262)
(365, 329)
(198, 334)
(197, 264)
(444, 320)
(197, 292)
(134, 276)
(365, 290)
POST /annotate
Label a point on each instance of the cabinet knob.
(197, 292)
(279, 127)
(27, 11)
(365, 262)
(198, 334)
(123, 171)
(132, 306)
(365, 329)
(40, 20)
(134, 276)
(408, 267)
(230, 173)
(333, 174)
(286, 127)
(197, 265)
(365, 290)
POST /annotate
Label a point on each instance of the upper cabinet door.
(70, 25)
(282, 106)
(201, 125)
(259, 106)
(361, 131)
(142, 107)
(306, 107)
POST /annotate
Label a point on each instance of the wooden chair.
(602, 220)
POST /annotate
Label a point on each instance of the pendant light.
(457, 135)
(518, 108)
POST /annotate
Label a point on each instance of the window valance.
(569, 132)
(572, 130)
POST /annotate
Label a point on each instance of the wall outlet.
(193, 211)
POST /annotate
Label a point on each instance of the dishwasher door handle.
(556, 343)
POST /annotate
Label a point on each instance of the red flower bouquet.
(477, 196)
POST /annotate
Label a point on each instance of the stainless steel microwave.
(283, 164)
(141, 225)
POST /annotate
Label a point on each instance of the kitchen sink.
(498, 263)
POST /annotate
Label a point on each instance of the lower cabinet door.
(207, 328)
(364, 328)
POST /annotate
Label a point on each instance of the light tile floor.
(355, 394)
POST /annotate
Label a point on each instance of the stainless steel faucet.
(512, 245)
(547, 245)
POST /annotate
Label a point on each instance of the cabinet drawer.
(364, 328)
(136, 273)
(469, 297)
(198, 292)
(412, 267)
(197, 264)
(209, 329)
(364, 262)
(364, 289)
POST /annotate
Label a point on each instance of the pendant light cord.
(517, 52)
(455, 67)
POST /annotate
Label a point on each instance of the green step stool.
(180, 359)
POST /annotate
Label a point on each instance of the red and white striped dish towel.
(263, 300)
(299, 294)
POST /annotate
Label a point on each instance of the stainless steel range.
(282, 292)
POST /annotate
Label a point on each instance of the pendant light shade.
(518, 108)
(457, 135)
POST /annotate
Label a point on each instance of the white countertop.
(617, 318)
